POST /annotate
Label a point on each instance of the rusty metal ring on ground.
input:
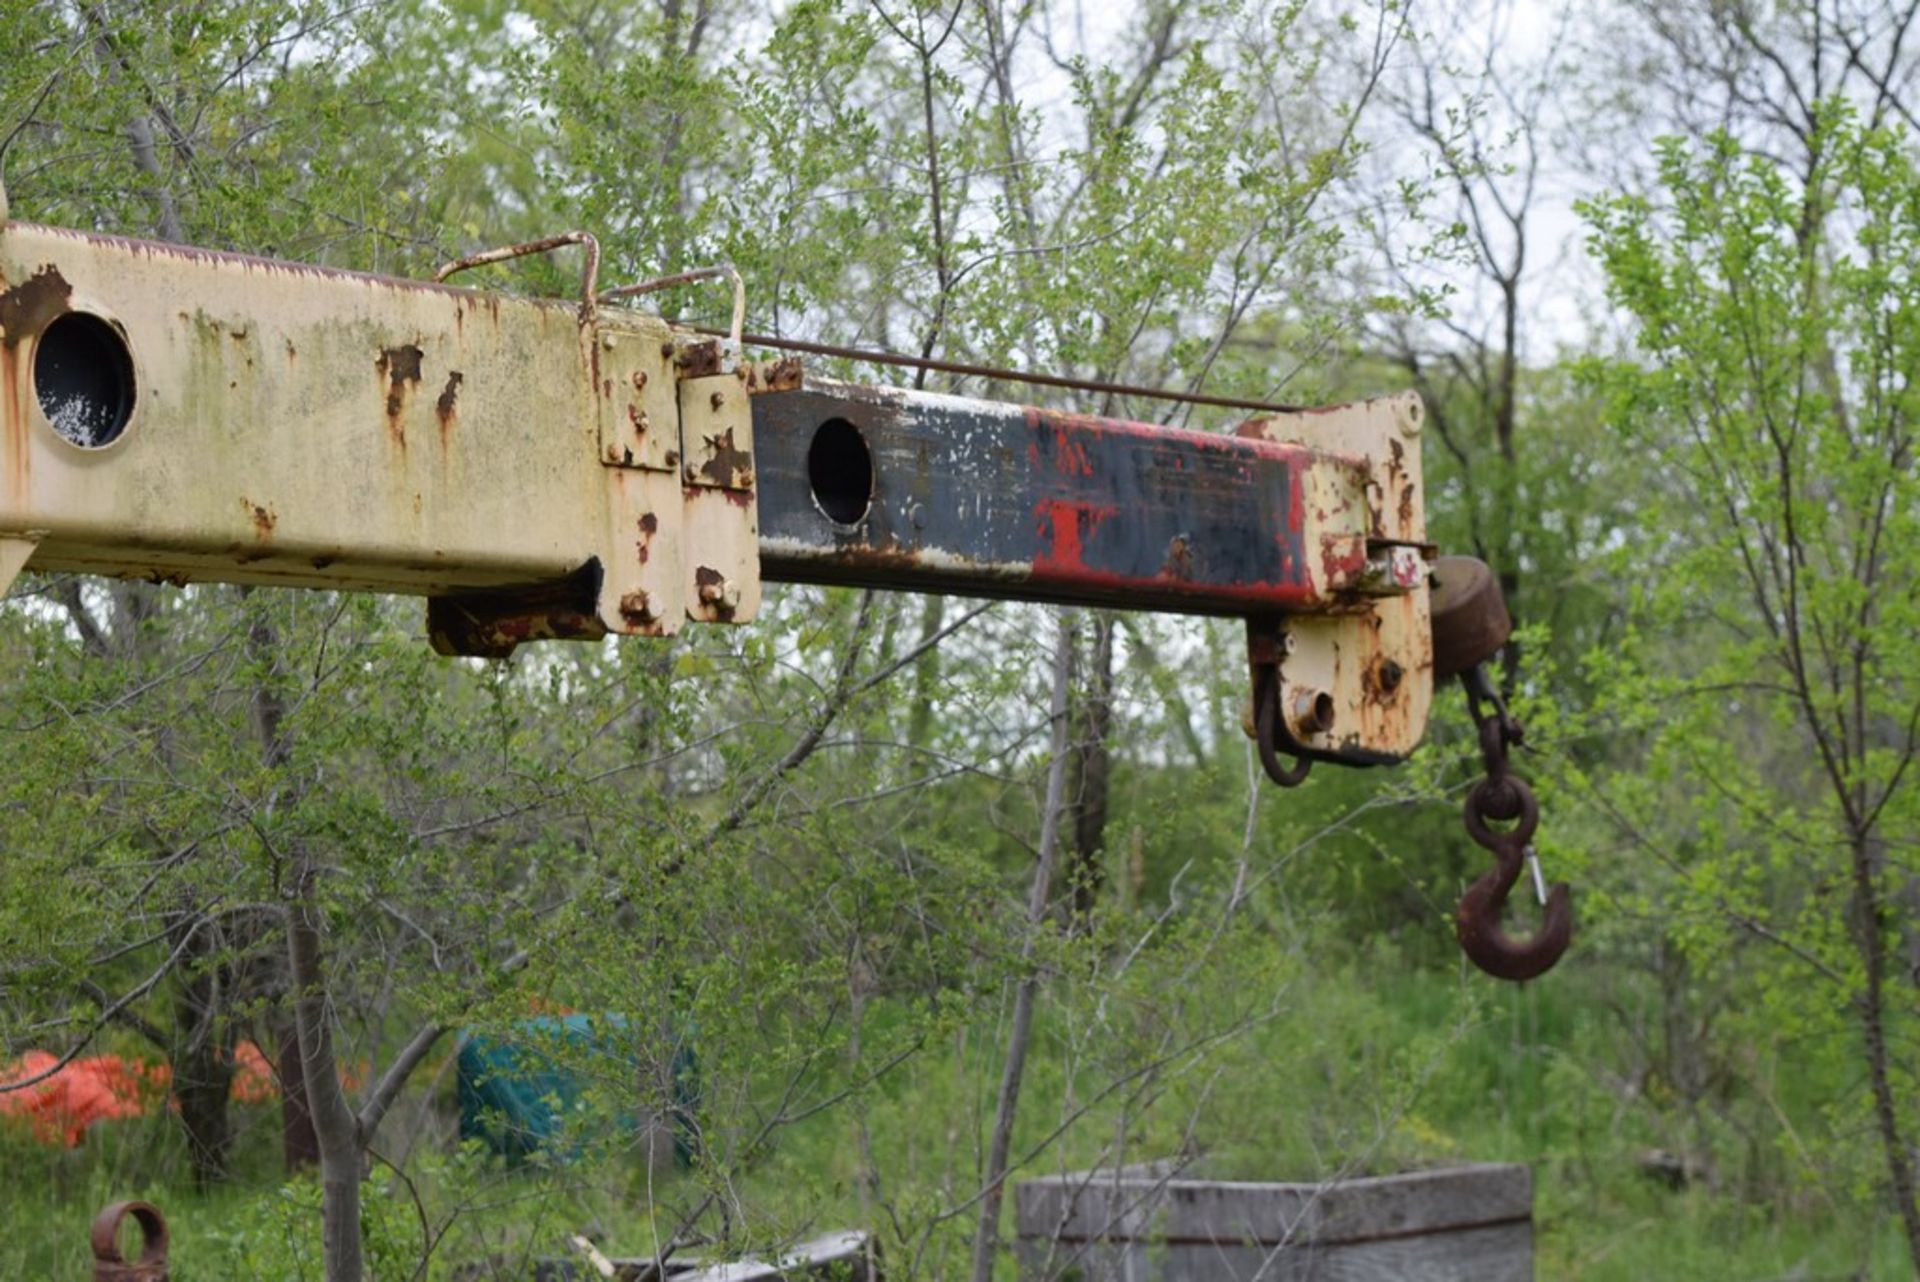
(110, 1265)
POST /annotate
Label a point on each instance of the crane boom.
(542, 468)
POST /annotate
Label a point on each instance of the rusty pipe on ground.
(109, 1263)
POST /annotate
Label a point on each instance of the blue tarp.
(516, 1092)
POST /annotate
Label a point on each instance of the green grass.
(1369, 1067)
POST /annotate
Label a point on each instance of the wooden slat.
(1502, 1253)
(1465, 1222)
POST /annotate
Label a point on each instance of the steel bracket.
(721, 515)
(1372, 658)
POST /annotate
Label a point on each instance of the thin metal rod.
(693, 277)
(589, 273)
(987, 371)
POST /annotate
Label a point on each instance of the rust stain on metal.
(400, 368)
(783, 375)
(497, 637)
(263, 518)
(271, 267)
(637, 608)
(32, 305)
(447, 407)
(1179, 559)
(715, 591)
(727, 466)
(698, 360)
(649, 526)
(1380, 684)
(1470, 622)
(1397, 478)
(1343, 558)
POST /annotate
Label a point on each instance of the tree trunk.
(986, 1238)
(334, 1126)
(1868, 926)
(300, 1147)
(202, 1061)
(1093, 763)
(336, 1131)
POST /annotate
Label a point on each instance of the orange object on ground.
(101, 1088)
(95, 1089)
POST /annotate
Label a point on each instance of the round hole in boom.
(83, 375)
(840, 470)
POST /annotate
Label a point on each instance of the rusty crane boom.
(555, 469)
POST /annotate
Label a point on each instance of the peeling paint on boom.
(543, 470)
(546, 469)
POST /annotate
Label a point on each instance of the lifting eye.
(83, 375)
(840, 470)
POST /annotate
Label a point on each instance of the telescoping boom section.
(545, 468)
(568, 469)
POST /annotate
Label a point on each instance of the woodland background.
(1651, 262)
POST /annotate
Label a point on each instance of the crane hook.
(1504, 796)
(1477, 921)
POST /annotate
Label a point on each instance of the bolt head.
(637, 607)
(724, 594)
